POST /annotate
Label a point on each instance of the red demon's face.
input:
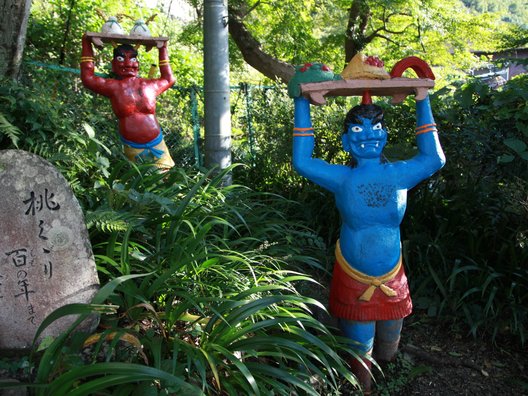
(125, 64)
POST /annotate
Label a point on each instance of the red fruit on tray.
(374, 61)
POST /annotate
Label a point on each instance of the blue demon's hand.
(309, 73)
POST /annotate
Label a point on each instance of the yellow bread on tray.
(363, 67)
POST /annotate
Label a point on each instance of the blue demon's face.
(365, 140)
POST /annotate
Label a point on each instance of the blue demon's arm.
(320, 172)
(430, 157)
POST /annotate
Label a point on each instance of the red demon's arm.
(167, 78)
(89, 79)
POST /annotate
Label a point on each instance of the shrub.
(203, 283)
(466, 228)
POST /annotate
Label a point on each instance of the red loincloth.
(345, 303)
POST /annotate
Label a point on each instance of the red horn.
(366, 99)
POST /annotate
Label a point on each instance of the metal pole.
(216, 85)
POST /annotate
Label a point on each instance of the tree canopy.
(272, 36)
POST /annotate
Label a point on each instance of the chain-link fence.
(180, 111)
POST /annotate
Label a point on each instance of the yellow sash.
(372, 281)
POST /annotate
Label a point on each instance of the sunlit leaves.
(441, 32)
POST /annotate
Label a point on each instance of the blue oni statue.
(369, 293)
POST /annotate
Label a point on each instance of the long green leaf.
(123, 373)
(282, 375)
(73, 309)
(240, 366)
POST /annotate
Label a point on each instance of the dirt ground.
(437, 360)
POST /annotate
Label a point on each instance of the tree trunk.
(355, 36)
(14, 16)
(355, 40)
(252, 52)
(67, 27)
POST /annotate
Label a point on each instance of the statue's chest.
(372, 198)
(139, 95)
(373, 194)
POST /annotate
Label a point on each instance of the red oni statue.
(133, 100)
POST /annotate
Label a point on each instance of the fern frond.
(108, 221)
(42, 149)
(9, 130)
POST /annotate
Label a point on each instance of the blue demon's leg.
(387, 339)
(361, 333)
(362, 336)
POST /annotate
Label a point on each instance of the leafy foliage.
(205, 278)
(476, 258)
(49, 128)
(510, 11)
(441, 32)
(201, 282)
(9, 131)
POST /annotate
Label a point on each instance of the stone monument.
(46, 259)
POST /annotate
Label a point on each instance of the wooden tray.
(399, 88)
(99, 39)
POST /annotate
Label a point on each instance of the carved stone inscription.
(46, 259)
